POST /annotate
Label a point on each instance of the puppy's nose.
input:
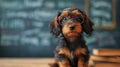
(72, 27)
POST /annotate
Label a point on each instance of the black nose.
(71, 27)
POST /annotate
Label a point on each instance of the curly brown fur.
(71, 50)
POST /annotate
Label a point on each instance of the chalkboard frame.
(105, 27)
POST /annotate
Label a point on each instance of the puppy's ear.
(87, 25)
(55, 26)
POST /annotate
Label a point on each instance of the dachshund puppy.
(71, 50)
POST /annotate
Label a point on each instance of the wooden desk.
(25, 62)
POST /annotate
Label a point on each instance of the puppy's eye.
(80, 19)
(63, 20)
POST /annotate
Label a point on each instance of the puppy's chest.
(72, 53)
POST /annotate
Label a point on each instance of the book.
(106, 52)
(103, 64)
(114, 59)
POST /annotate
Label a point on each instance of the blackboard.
(24, 30)
(102, 13)
(24, 27)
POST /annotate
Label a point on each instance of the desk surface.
(25, 62)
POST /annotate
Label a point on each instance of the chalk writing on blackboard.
(25, 22)
(102, 13)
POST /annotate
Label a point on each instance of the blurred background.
(24, 30)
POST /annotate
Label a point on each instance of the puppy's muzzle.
(71, 26)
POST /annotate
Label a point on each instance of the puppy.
(71, 50)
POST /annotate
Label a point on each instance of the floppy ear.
(55, 26)
(87, 25)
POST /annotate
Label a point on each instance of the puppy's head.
(71, 22)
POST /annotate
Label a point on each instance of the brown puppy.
(71, 50)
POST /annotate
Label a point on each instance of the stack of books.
(105, 58)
